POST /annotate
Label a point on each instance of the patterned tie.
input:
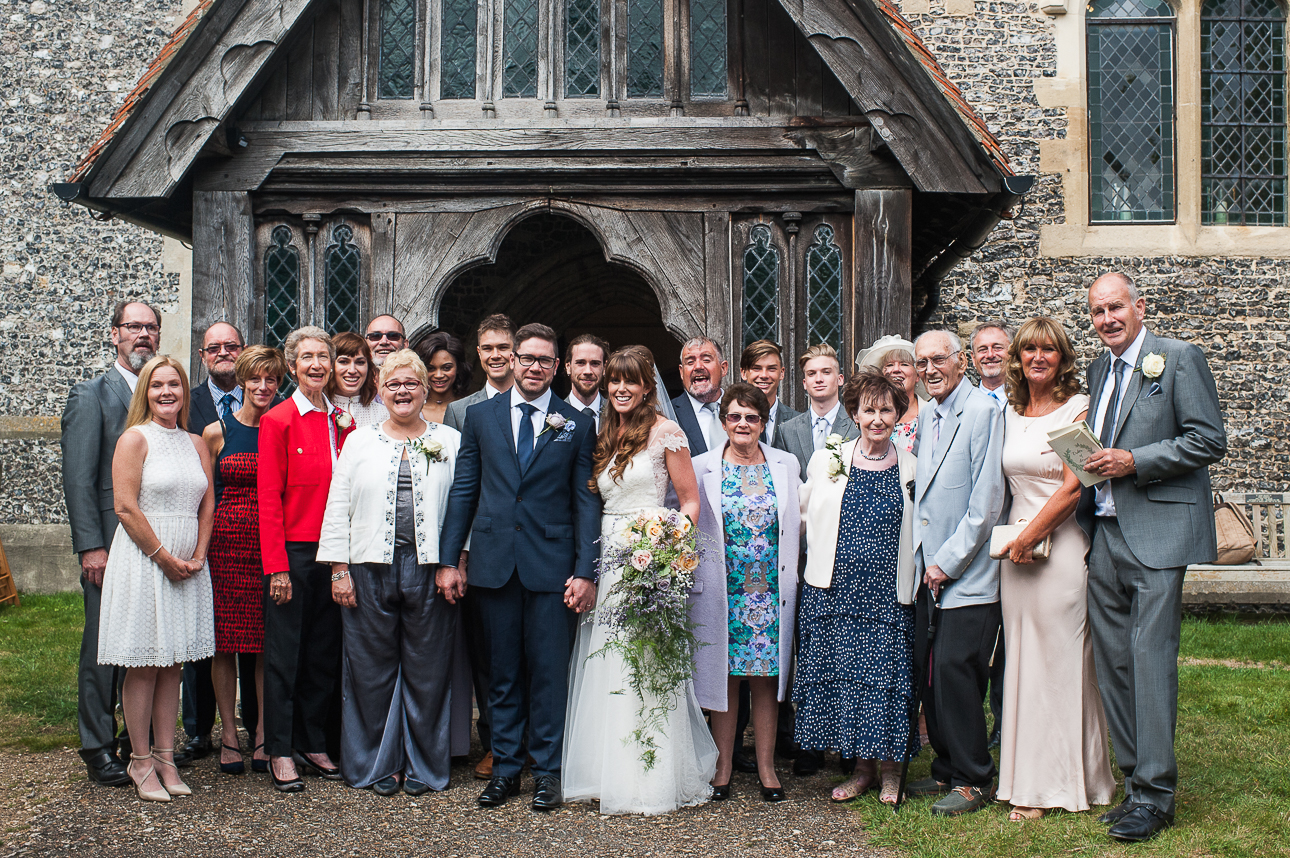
(226, 404)
(524, 442)
(821, 432)
(936, 430)
(1112, 406)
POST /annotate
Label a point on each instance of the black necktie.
(1108, 421)
(524, 445)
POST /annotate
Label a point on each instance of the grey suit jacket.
(783, 414)
(1173, 425)
(93, 420)
(959, 497)
(795, 436)
(455, 416)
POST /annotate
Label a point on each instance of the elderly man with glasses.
(385, 336)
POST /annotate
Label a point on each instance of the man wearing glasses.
(93, 420)
(385, 337)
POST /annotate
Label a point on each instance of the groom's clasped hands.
(579, 594)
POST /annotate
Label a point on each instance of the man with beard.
(385, 336)
(703, 365)
(762, 365)
(584, 360)
(92, 422)
(990, 341)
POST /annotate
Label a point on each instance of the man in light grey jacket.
(958, 499)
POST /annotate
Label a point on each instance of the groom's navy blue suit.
(530, 530)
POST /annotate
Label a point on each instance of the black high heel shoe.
(771, 794)
(237, 768)
(259, 766)
(295, 784)
(722, 792)
(308, 767)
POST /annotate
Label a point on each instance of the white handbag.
(1004, 534)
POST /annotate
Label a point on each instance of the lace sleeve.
(670, 436)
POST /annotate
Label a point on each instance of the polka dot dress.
(854, 675)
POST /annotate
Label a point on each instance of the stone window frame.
(1068, 157)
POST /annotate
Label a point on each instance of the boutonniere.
(432, 450)
(343, 418)
(1153, 365)
(557, 422)
(833, 444)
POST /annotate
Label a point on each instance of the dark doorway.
(551, 269)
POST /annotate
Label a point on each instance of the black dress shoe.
(546, 792)
(808, 763)
(310, 768)
(1115, 814)
(744, 763)
(106, 769)
(771, 793)
(183, 758)
(720, 793)
(414, 787)
(386, 786)
(1142, 822)
(198, 748)
(498, 790)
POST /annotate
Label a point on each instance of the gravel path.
(49, 808)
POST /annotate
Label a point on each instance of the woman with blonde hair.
(156, 611)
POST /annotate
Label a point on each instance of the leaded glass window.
(824, 289)
(1131, 110)
(457, 49)
(761, 287)
(519, 48)
(707, 48)
(342, 268)
(582, 49)
(281, 288)
(645, 49)
(1243, 112)
(398, 48)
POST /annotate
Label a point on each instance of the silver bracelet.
(155, 550)
(336, 576)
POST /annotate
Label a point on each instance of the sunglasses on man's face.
(377, 336)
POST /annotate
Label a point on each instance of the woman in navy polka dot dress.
(854, 680)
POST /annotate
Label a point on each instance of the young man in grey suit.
(958, 498)
(1154, 406)
(762, 366)
(93, 420)
(805, 433)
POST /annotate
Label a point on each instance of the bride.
(638, 453)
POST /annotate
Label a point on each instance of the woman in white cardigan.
(854, 679)
(380, 534)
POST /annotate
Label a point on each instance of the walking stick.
(924, 675)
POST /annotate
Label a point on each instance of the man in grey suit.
(805, 433)
(958, 498)
(1154, 406)
(494, 343)
(93, 420)
(762, 366)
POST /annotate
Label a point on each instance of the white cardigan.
(821, 502)
(358, 526)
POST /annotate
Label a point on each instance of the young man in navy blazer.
(522, 491)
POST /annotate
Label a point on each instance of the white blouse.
(373, 413)
(358, 525)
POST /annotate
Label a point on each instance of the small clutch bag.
(1004, 534)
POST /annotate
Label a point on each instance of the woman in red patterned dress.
(237, 576)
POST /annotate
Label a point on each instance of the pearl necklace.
(879, 458)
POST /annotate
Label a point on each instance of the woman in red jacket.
(299, 442)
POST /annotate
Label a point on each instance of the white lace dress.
(145, 619)
(601, 760)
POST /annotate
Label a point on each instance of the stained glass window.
(457, 49)
(645, 49)
(707, 48)
(281, 287)
(582, 49)
(761, 287)
(1243, 112)
(342, 267)
(1131, 110)
(398, 48)
(824, 289)
(519, 48)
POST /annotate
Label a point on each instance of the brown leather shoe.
(484, 769)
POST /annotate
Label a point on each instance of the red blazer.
(293, 476)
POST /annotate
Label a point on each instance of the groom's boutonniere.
(557, 422)
(432, 450)
(833, 444)
(1153, 365)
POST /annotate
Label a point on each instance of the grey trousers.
(97, 684)
(1135, 614)
(396, 674)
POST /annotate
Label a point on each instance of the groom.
(522, 481)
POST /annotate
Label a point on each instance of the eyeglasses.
(377, 336)
(215, 348)
(750, 419)
(136, 328)
(544, 361)
(940, 361)
(396, 386)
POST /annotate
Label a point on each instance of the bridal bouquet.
(645, 612)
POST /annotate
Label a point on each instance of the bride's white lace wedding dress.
(601, 759)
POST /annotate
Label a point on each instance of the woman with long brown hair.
(610, 755)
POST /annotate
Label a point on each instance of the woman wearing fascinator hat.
(893, 356)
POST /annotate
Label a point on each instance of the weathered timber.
(326, 62)
(381, 291)
(881, 264)
(724, 204)
(222, 264)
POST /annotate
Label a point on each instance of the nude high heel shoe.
(180, 788)
(147, 795)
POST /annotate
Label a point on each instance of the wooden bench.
(1264, 583)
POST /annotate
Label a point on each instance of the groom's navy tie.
(524, 442)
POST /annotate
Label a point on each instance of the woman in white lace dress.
(157, 610)
(638, 454)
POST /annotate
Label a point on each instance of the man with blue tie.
(522, 493)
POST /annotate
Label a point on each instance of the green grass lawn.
(40, 642)
(1233, 759)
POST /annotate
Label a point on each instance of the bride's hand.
(580, 595)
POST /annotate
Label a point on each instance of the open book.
(1074, 443)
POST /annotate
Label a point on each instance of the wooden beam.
(881, 298)
(223, 274)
